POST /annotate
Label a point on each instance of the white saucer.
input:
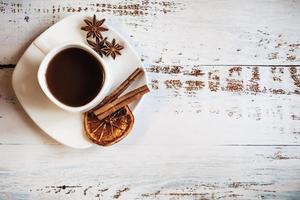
(63, 126)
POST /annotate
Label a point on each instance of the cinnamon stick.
(118, 103)
(120, 89)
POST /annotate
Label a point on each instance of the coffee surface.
(74, 77)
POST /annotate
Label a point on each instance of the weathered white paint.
(189, 141)
(167, 157)
(178, 32)
(150, 172)
(192, 115)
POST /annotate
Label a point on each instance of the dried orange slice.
(110, 130)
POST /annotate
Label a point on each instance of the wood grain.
(175, 32)
(201, 105)
(221, 122)
(150, 172)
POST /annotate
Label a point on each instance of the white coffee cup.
(41, 75)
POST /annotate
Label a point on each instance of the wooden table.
(222, 121)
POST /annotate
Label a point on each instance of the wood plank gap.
(208, 65)
(261, 145)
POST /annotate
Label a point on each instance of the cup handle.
(44, 44)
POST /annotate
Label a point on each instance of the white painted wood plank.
(176, 32)
(193, 106)
(171, 153)
(149, 172)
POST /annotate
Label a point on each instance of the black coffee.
(74, 77)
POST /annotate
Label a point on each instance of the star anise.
(94, 28)
(113, 49)
(99, 46)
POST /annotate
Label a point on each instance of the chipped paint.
(67, 189)
(234, 85)
(119, 192)
(194, 72)
(277, 73)
(296, 78)
(275, 47)
(295, 117)
(143, 8)
(215, 190)
(192, 85)
(253, 85)
(173, 84)
(179, 60)
(236, 70)
(235, 81)
(189, 81)
(154, 84)
(175, 69)
(213, 80)
(277, 91)
(280, 156)
(96, 190)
